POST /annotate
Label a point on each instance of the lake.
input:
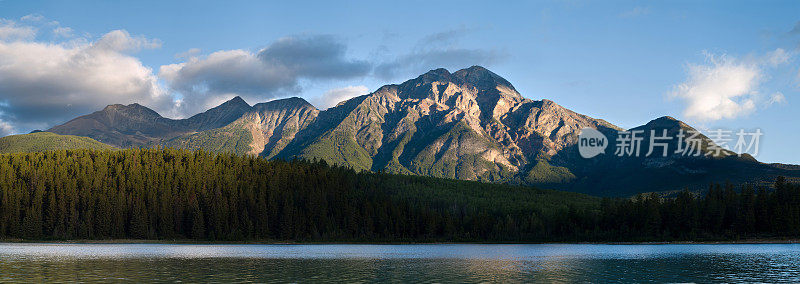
(406, 263)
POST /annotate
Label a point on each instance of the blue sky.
(730, 64)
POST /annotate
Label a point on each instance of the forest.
(168, 194)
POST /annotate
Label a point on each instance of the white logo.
(591, 143)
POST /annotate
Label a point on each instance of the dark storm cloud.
(313, 57)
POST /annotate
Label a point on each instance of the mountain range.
(471, 124)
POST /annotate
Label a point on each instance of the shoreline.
(267, 242)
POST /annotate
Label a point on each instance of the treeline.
(178, 194)
(721, 213)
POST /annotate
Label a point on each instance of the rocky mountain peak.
(439, 74)
(474, 90)
(483, 79)
(477, 77)
(272, 125)
(218, 116)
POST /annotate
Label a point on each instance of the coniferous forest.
(172, 194)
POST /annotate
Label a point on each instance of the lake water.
(406, 263)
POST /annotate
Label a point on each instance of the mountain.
(610, 174)
(219, 116)
(264, 129)
(44, 141)
(119, 125)
(471, 124)
(135, 125)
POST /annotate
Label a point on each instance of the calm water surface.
(407, 263)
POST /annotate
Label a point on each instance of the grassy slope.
(234, 138)
(544, 173)
(340, 149)
(44, 141)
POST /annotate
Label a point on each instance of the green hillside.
(233, 138)
(44, 141)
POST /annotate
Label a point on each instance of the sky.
(713, 64)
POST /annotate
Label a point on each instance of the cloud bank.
(51, 73)
(45, 82)
(10, 30)
(272, 72)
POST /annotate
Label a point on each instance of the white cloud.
(334, 96)
(63, 31)
(777, 98)
(45, 83)
(10, 30)
(207, 81)
(32, 18)
(778, 57)
(121, 41)
(192, 52)
(725, 87)
(6, 128)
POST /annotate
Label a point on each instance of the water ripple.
(465, 263)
